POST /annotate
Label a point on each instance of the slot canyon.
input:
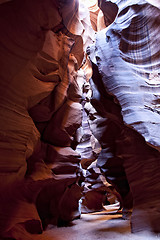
(79, 119)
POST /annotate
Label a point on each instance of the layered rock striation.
(127, 56)
(42, 48)
(48, 131)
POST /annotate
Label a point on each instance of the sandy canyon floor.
(103, 225)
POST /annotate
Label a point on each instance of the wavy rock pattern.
(105, 122)
(40, 112)
(127, 56)
(97, 191)
(131, 44)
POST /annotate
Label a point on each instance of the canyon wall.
(79, 92)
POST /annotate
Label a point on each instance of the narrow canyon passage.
(79, 119)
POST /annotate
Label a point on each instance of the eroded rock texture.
(126, 99)
(42, 47)
(44, 75)
(95, 190)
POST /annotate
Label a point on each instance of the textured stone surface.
(42, 116)
(127, 56)
(40, 112)
(106, 122)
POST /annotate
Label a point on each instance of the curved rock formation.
(127, 56)
(43, 67)
(40, 112)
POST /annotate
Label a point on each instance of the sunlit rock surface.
(44, 73)
(127, 56)
(40, 109)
